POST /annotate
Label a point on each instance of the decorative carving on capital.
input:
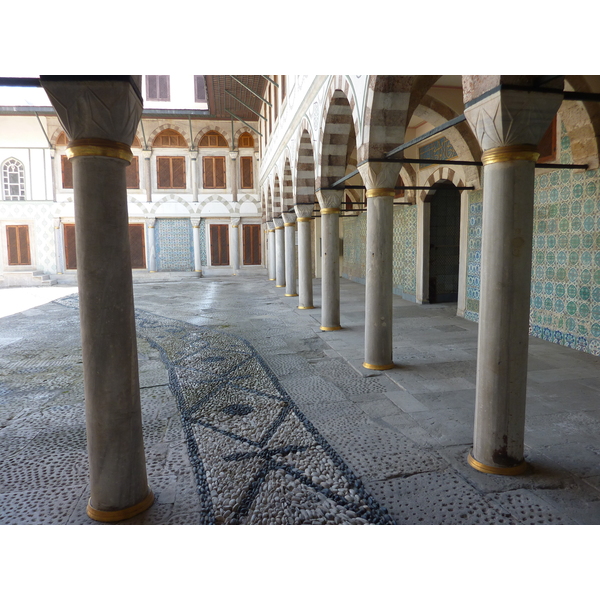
(278, 221)
(304, 211)
(379, 174)
(330, 198)
(235, 221)
(195, 221)
(147, 154)
(288, 217)
(193, 154)
(89, 109)
(233, 154)
(512, 117)
(270, 225)
(150, 221)
(57, 223)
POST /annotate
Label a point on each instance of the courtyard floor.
(253, 415)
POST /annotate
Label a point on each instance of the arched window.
(13, 180)
(169, 138)
(246, 141)
(213, 139)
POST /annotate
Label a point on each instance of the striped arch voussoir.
(216, 128)
(154, 134)
(441, 174)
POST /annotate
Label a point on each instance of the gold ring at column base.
(304, 219)
(289, 224)
(280, 286)
(330, 211)
(291, 295)
(99, 147)
(507, 153)
(378, 192)
(272, 279)
(331, 328)
(112, 516)
(305, 307)
(377, 367)
(516, 470)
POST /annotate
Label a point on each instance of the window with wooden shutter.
(219, 245)
(137, 246)
(200, 88)
(246, 172)
(251, 244)
(158, 88)
(70, 248)
(132, 174)
(17, 238)
(13, 180)
(246, 140)
(213, 139)
(171, 172)
(67, 173)
(213, 168)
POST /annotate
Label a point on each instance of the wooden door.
(251, 244)
(70, 248)
(137, 245)
(17, 238)
(219, 245)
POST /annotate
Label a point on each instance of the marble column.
(305, 284)
(379, 179)
(234, 244)
(279, 253)
(197, 250)
(234, 175)
(60, 247)
(147, 154)
(100, 118)
(271, 261)
(150, 224)
(194, 170)
(509, 124)
(330, 202)
(289, 228)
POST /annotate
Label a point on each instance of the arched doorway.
(444, 242)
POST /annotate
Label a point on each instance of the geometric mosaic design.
(256, 457)
(565, 279)
(440, 149)
(203, 260)
(174, 245)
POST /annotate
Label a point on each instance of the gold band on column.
(516, 470)
(289, 224)
(330, 328)
(506, 153)
(377, 367)
(304, 219)
(330, 211)
(280, 286)
(111, 516)
(276, 228)
(290, 295)
(273, 279)
(270, 230)
(99, 147)
(377, 192)
(305, 307)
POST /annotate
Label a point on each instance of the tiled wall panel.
(174, 245)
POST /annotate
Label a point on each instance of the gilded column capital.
(278, 221)
(512, 117)
(150, 221)
(330, 199)
(195, 221)
(288, 218)
(270, 226)
(92, 108)
(379, 176)
(304, 211)
(235, 221)
(56, 222)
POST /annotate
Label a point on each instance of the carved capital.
(330, 198)
(235, 221)
(378, 175)
(95, 109)
(288, 217)
(150, 221)
(57, 223)
(278, 221)
(233, 154)
(147, 154)
(512, 117)
(304, 211)
(193, 154)
(270, 226)
(195, 221)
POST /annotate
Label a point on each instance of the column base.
(305, 307)
(331, 328)
(112, 516)
(516, 470)
(291, 295)
(378, 367)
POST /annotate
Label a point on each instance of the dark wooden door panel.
(251, 244)
(70, 248)
(219, 245)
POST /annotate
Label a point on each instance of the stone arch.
(339, 126)
(305, 168)
(241, 131)
(160, 128)
(57, 133)
(287, 192)
(170, 198)
(216, 128)
(276, 196)
(461, 136)
(582, 121)
(439, 175)
(142, 205)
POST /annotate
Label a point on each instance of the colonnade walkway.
(252, 414)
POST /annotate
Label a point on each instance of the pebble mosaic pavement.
(252, 415)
